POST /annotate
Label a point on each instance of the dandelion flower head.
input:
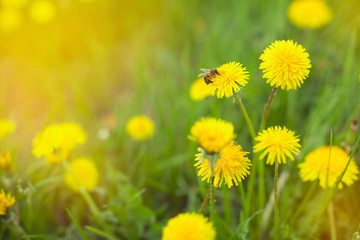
(199, 90)
(85, 173)
(312, 14)
(140, 128)
(212, 134)
(232, 76)
(189, 226)
(317, 165)
(42, 11)
(278, 143)
(285, 64)
(232, 166)
(6, 127)
(6, 202)
(57, 141)
(5, 160)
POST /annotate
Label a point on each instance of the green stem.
(82, 190)
(276, 203)
(267, 109)
(206, 199)
(243, 202)
(212, 192)
(332, 221)
(226, 204)
(247, 118)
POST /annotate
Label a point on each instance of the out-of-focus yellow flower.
(84, 172)
(6, 202)
(212, 134)
(309, 13)
(278, 144)
(6, 127)
(318, 165)
(10, 19)
(285, 64)
(189, 226)
(232, 166)
(199, 90)
(56, 141)
(42, 11)
(232, 76)
(140, 128)
(14, 3)
(5, 160)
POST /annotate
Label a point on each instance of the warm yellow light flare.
(199, 90)
(6, 202)
(57, 141)
(212, 134)
(311, 14)
(189, 226)
(285, 64)
(232, 76)
(84, 173)
(232, 166)
(42, 11)
(278, 143)
(140, 128)
(318, 165)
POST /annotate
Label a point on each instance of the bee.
(208, 74)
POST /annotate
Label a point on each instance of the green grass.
(141, 57)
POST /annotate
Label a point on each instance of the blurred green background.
(101, 61)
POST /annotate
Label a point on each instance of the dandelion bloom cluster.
(6, 202)
(5, 160)
(84, 172)
(231, 76)
(311, 14)
(140, 128)
(199, 90)
(212, 134)
(278, 143)
(55, 142)
(6, 127)
(232, 166)
(189, 226)
(285, 64)
(318, 165)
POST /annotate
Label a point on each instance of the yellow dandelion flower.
(10, 20)
(6, 127)
(311, 14)
(232, 76)
(232, 166)
(317, 165)
(140, 128)
(42, 11)
(57, 141)
(189, 226)
(199, 90)
(212, 134)
(285, 64)
(278, 144)
(6, 202)
(5, 160)
(84, 172)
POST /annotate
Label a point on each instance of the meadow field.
(107, 132)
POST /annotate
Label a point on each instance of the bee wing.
(204, 69)
(201, 74)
